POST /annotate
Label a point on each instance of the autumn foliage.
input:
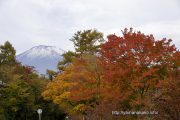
(128, 73)
(77, 86)
(135, 66)
(136, 62)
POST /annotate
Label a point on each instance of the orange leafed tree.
(134, 65)
(77, 89)
(125, 75)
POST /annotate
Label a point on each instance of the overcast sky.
(28, 23)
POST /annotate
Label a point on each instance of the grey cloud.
(52, 22)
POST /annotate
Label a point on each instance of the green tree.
(7, 54)
(87, 42)
(67, 59)
(5, 73)
(17, 100)
(51, 74)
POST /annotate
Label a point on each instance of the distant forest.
(128, 77)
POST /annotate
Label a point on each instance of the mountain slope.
(41, 57)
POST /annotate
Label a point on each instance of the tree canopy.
(132, 72)
(7, 53)
(87, 41)
(127, 74)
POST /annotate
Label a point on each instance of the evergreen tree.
(87, 42)
(51, 74)
(67, 58)
(7, 54)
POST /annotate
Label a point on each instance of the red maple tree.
(134, 65)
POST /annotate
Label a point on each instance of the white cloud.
(169, 30)
(27, 23)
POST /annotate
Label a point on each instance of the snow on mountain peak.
(42, 51)
(42, 58)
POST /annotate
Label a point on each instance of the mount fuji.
(41, 57)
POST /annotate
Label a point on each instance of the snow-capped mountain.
(41, 57)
